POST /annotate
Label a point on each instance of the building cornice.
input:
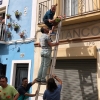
(18, 41)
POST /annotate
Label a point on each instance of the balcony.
(76, 11)
(2, 34)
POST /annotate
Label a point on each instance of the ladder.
(53, 59)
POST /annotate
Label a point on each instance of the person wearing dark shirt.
(24, 89)
(48, 19)
(53, 90)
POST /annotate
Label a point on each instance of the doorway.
(21, 72)
(3, 69)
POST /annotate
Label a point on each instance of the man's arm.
(34, 81)
(16, 96)
(53, 44)
(14, 93)
(59, 80)
(51, 20)
(31, 95)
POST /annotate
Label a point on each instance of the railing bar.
(97, 4)
(46, 5)
(88, 5)
(85, 6)
(43, 5)
(0, 31)
(92, 5)
(41, 12)
(38, 13)
(44, 1)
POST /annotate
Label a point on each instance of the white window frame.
(13, 70)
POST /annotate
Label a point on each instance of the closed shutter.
(79, 78)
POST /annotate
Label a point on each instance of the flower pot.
(16, 29)
(21, 36)
(9, 26)
(17, 16)
(8, 17)
(9, 35)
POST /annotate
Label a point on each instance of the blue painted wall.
(9, 53)
(23, 21)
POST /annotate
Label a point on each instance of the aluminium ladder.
(53, 58)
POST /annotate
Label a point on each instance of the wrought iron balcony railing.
(43, 7)
(70, 8)
(2, 32)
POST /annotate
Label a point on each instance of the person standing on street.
(53, 90)
(7, 92)
(24, 89)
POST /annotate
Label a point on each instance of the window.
(70, 7)
(79, 7)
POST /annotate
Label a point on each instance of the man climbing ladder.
(46, 46)
(45, 56)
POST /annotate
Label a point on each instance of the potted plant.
(22, 34)
(16, 27)
(17, 14)
(9, 25)
(8, 16)
(9, 34)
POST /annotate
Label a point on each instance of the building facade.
(78, 57)
(17, 40)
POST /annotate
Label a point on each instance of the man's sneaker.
(37, 80)
(53, 33)
(43, 82)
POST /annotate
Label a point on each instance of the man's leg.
(41, 68)
(47, 61)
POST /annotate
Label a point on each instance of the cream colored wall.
(37, 57)
(82, 44)
(68, 46)
(4, 3)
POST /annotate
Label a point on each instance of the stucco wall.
(4, 3)
(25, 7)
(67, 32)
(9, 53)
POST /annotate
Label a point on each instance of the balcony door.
(70, 7)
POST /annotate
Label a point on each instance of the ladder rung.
(40, 83)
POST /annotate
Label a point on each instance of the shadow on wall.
(79, 79)
(87, 91)
(86, 83)
(3, 50)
